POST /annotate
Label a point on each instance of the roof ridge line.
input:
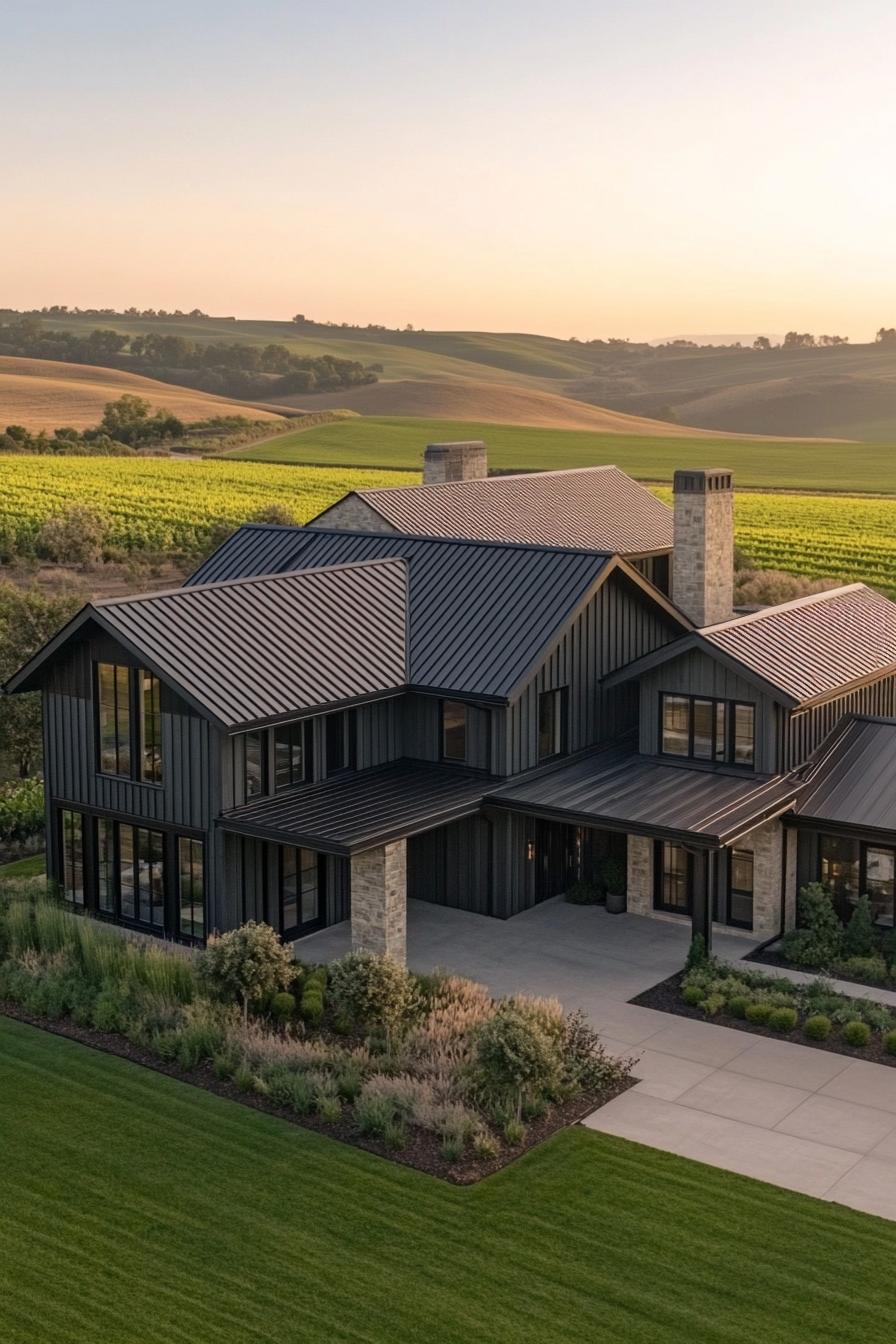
(501, 476)
(808, 600)
(184, 589)
(458, 541)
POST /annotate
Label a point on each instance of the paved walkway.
(793, 1115)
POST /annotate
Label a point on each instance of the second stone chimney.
(703, 552)
(454, 462)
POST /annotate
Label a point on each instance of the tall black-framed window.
(141, 875)
(72, 850)
(107, 880)
(190, 888)
(702, 728)
(454, 731)
(302, 891)
(255, 765)
(339, 741)
(740, 888)
(673, 878)
(128, 722)
(552, 724)
(289, 756)
(114, 718)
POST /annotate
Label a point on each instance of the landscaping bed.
(849, 970)
(429, 1071)
(812, 1014)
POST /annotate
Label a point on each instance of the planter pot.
(616, 902)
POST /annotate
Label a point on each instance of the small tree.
(74, 537)
(516, 1055)
(374, 991)
(245, 963)
(860, 939)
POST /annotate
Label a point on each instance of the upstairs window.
(454, 731)
(700, 728)
(289, 756)
(551, 724)
(255, 765)
(129, 722)
(339, 743)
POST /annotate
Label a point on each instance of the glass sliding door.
(302, 891)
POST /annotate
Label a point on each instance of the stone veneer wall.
(791, 839)
(767, 844)
(379, 901)
(352, 515)
(639, 865)
(703, 554)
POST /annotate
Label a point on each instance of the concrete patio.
(798, 1117)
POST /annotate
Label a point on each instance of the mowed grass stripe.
(379, 442)
(137, 1209)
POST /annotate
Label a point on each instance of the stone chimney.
(454, 462)
(703, 554)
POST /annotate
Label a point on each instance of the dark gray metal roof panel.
(851, 780)
(815, 646)
(357, 811)
(255, 650)
(598, 508)
(481, 613)
(619, 788)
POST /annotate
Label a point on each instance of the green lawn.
(137, 1210)
(380, 441)
(34, 866)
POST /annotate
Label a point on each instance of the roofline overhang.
(797, 821)
(311, 840)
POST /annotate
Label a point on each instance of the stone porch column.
(379, 901)
(639, 884)
(767, 844)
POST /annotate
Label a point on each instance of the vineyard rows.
(161, 504)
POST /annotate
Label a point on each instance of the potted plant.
(613, 876)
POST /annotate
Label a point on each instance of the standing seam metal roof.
(814, 645)
(480, 612)
(851, 781)
(599, 508)
(262, 648)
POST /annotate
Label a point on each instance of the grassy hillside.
(841, 391)
(399, 442)
(138, 1209)
(44, 394)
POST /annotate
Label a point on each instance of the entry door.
(673, 869)
(555, 859)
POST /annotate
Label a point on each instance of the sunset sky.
(640, 168)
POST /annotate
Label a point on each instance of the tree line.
(128, 426)
(233, 369)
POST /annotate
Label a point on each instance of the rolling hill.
(828, 392)
(44, 394)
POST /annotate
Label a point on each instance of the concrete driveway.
(795, 1116)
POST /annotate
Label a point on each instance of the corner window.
(72, 824)
(339, 742)
(129, 722)
(254, 765)
(454, 730)
(700, 728)
(850, 869)
(289, 756)
(551, 724)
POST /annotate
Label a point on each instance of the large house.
(472, 692)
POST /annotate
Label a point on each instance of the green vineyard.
(156, 505)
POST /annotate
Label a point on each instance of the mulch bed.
(666, 998)
(423, 1149)
(770, 958)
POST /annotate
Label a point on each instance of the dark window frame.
(301, 927)
(192, 842)
(289, 732)
(67, 818)
(349, 742)
(843, 903)
(741, 891)
(559, 698)
(110, 868)
(443, 753)
(137, 737)
(659, 879)
(728, 731)
(260, 735)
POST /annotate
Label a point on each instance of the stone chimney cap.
(702, 480)
(457, 443)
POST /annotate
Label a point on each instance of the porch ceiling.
(353, 812)
(621, 790)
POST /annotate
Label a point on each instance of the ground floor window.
(740, 889)
(673, 879)
(72, 824)
(301, 891)
(141, 875)
(191, 887)
(849, 869)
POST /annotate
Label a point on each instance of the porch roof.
(620, 790)
(353, 812)
(850, 783)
